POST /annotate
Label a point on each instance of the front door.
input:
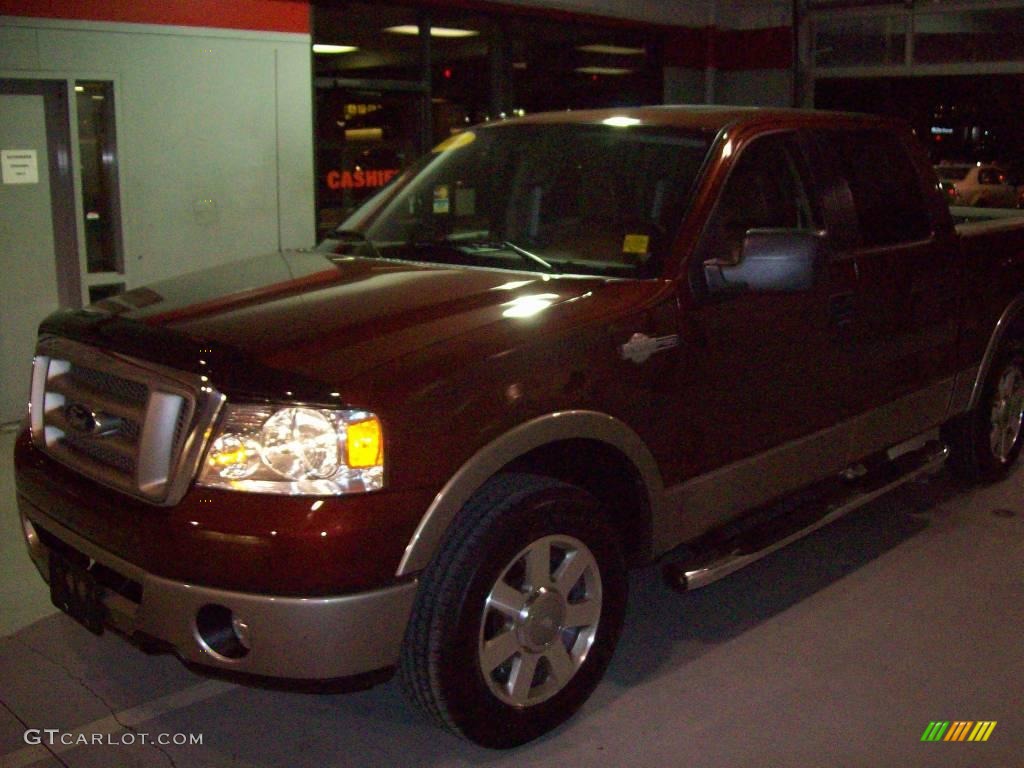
(28, 259)
(758, 382)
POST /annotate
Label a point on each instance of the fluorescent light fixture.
(603, 70)
(79, 89)
(412, 29)
(620, 121)
(330, 48)
(613, 50)
(364, 134)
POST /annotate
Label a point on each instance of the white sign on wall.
(19, 166)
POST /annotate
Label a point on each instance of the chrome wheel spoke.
(498, 650)
(521, 680)
(570, 571)
(506, 600)
(583, 614)
(538, 565)
(560, 663)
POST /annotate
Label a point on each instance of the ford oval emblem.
(80, 418)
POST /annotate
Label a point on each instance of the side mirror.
(784, 260)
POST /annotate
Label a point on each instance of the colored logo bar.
(958, 730)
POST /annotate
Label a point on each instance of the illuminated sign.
(359, 179)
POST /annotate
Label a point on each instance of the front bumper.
(290, 637)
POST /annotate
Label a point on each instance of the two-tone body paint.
(453, 369)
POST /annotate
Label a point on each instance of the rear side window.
(886, 189)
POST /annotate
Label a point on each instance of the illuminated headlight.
(296, 451)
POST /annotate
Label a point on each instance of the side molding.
(553, 427)
(1009, 315)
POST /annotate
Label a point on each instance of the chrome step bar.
(694, 574)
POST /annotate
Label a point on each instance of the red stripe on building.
(261, 15)
(767, 48)
(687, 47)
(729, 49)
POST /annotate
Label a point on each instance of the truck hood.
(324, 317)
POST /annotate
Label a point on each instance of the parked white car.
(980, 186)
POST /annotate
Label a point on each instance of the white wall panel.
(214, 135)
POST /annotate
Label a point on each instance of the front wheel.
(987, 440)
(518, 615)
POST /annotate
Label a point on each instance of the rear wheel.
(987, 441)
(519, 614)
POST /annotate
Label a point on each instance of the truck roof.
(708, 118)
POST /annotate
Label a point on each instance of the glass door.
(103, 268)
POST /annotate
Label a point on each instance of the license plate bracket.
(76, 592)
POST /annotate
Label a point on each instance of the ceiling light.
(330, 48)
(604, 70)
(412, 29)
(364, 134)
(614, 50)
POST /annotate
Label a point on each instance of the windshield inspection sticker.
(636, 244)
(442, 203)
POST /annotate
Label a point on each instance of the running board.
(729, 556)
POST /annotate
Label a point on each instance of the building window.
(392, 81)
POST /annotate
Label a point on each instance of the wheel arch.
(1010, 325)
(536, 446)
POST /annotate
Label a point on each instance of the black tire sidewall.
(476, 712)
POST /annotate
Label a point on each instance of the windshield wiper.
(530, 256)
(355, 236)
(506, 245)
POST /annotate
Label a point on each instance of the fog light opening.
(222, 632)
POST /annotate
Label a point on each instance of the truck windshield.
(570, 198)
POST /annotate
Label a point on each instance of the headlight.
(295, 450)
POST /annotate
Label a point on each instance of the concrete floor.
(837, 651)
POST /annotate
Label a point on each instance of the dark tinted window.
(886, 189)
(766, 190)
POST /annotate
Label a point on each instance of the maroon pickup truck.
(554, 348)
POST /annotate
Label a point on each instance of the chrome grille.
(128, 424)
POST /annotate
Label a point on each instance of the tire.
(986, 442)
(530, 577)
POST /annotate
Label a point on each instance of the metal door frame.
(63, 208)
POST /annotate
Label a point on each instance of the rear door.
(899, 331)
